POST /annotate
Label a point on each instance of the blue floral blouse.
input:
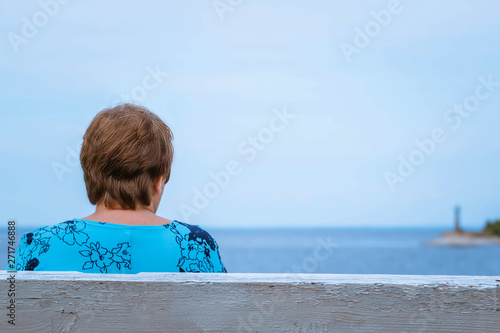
(100, 247)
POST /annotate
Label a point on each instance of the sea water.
(352, 251)
(341, 251)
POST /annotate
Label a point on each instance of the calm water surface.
(353, 251)
(348, 251)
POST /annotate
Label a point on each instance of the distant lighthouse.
(457, 219)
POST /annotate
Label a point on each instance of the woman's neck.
(139, 216)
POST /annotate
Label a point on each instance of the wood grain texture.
(191, 302)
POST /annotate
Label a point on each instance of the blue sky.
(223, 75)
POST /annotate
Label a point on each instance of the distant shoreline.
(465, 238)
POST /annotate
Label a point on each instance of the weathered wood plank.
(189, 302)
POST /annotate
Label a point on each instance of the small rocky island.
(490, 235)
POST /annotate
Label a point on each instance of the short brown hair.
(124, 149)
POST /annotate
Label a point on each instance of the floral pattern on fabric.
(33, 244)
(196, 248)
(72, 233)
(103, 258)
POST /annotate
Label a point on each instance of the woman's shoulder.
(193, 232)
(70, 232)
(77, 231)
(187, 227)
(48, 230)
(194, 241)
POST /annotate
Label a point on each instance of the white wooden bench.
(190, 302)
